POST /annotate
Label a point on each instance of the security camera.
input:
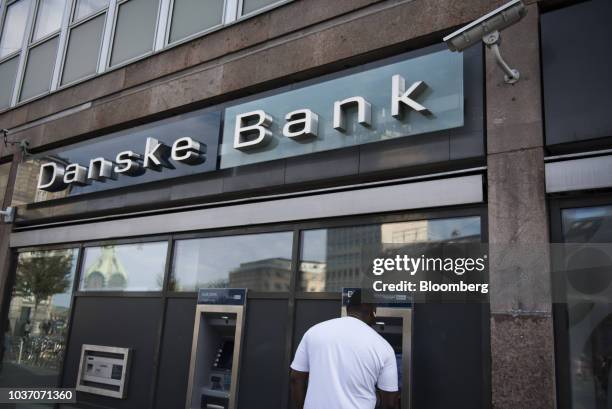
(487, 29)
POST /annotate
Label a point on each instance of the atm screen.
(226, 355)
(390, 328)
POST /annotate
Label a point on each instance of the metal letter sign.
(410, 97)
(390, 100)
(178, 146)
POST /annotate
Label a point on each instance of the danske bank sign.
(392, 100)
(395, 98)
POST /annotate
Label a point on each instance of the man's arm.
(299, 384)
(388, 400)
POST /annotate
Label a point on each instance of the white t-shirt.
(346, 360)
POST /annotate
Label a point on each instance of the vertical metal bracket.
(492, 41)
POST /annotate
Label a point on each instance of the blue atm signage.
(409, 97)
(222, 296)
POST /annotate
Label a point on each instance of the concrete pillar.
(522, 347)
(5, 232)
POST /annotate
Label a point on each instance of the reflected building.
(312, 274)
(272, 274)
(348, 250)
(405, 232)
(26, 183)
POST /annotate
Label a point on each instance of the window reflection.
(259, 262)
(48, 17)
(85, 8)
(334, 258)
(14, 27)
(589, 303)
(35, 332)
(125, 267)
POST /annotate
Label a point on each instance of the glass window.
(37, 327)
(124, 267)
(260, 262)
(48, 18)
(14, 27)
(41, 60)
(135, 30)
(83, 50)
(85, 8)
(8, 72)
(193, 16)
(248, 6)
(331, 259)
(589, 306)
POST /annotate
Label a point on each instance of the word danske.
(54, 176)
(252, 129)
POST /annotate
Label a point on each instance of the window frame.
(21, 53)
(5, 7)
(27, 47)
(232, 14)
(168, 43)
(239, 11)
(72, 24)
(149, 240)
(32, 42)
(116, 4)
(291, 297)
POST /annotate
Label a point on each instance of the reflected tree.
(42, 277)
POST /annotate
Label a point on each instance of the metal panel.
(125, 358)
(263, 369)
(579, 174)
(424, 194)
(175, 353)
(122, 321)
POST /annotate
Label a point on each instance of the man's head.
(363, 310)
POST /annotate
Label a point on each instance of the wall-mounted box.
(104, 370)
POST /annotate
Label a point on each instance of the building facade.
(174, 145)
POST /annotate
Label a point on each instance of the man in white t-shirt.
(344, 363)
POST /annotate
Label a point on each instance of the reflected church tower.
(106, 272)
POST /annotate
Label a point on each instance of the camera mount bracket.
(492, 41)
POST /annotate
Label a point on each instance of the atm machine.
(394, 323)
(215, 352)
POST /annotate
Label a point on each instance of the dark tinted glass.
(134, 30)
(193, 16)
(39, 69)
(589, 304)
(83, 50)
(575, 44)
